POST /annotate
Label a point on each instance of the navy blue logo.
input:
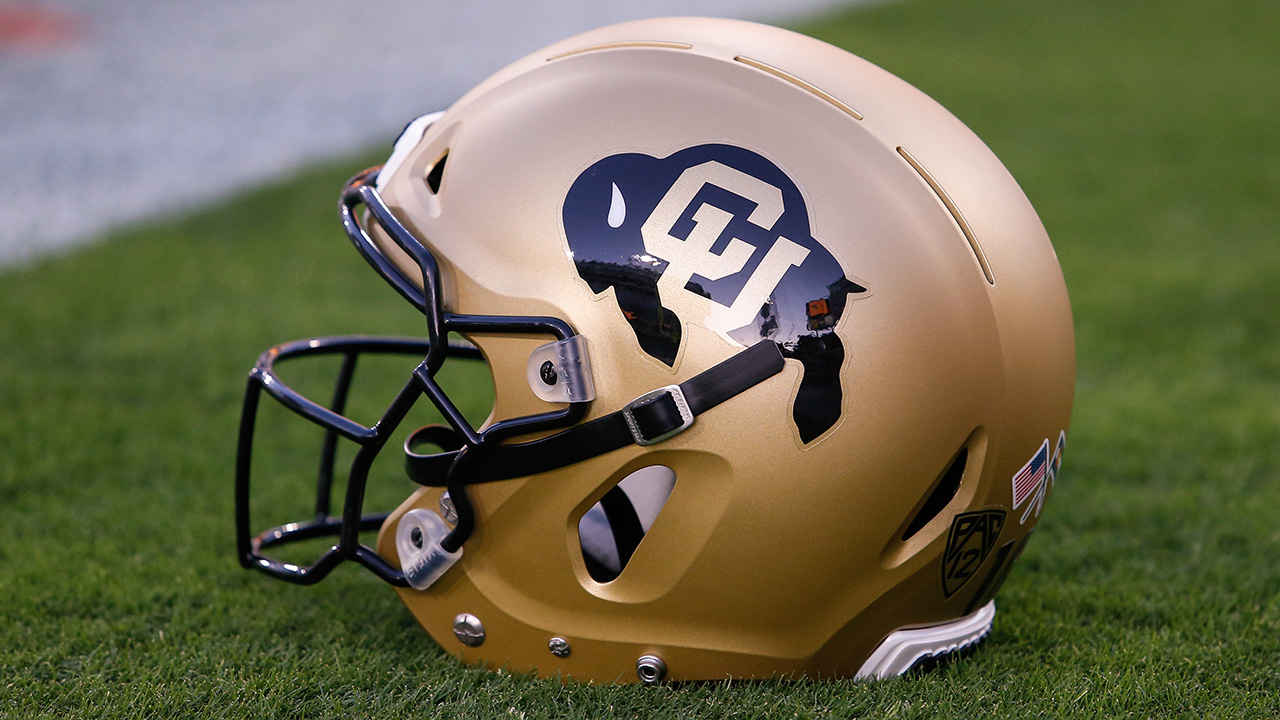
(718, 236)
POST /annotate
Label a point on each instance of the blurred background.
(206, 143)
(111, 112)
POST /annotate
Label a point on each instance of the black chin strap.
(650, 418)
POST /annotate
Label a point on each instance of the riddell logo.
(717, 236)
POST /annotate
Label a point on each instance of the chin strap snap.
(651, 418)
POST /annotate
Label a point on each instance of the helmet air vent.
(436, 174)
(622, 45)
(956, 215)
(800, 83)
(612, 529)
(943, 490)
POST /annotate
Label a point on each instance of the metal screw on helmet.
(559, 647)
(468, 629)
(447, 510)
(651, 669)
(415, 537)
(548, 372)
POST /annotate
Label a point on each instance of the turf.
(1145, 134)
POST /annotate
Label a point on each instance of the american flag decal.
(1031, 476)
(1032, 482)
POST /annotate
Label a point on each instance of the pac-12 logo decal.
(1033, 481)
(718, 236)
(972, 536)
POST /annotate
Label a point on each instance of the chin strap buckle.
(658, 415)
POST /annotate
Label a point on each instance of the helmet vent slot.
(802, 84)
(622, 45)
(612, 529)
(436, 174)
(944, 489)
(956, 215)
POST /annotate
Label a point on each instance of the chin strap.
(650, 418)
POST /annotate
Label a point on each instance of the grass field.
(1144, 132)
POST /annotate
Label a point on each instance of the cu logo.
(717, 236)
(693, 255)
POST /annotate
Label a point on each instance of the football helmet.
(782, 362)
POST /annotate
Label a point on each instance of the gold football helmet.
(782, 358)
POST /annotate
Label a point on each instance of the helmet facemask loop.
(434, 350)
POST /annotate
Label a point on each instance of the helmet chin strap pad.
(651, 418)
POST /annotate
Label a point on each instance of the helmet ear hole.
(612, 529)
(944, 489)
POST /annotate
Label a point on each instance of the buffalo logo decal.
(718, 236)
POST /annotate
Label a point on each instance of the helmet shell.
(781, 549)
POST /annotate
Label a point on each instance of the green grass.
(1144, 132)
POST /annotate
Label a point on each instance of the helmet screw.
(559, 647)
(548, 372)
(415, 537)
(468, 629)
(651, 669)
(447, 509)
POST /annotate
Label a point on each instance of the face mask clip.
(560, 372)
(418, 539)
